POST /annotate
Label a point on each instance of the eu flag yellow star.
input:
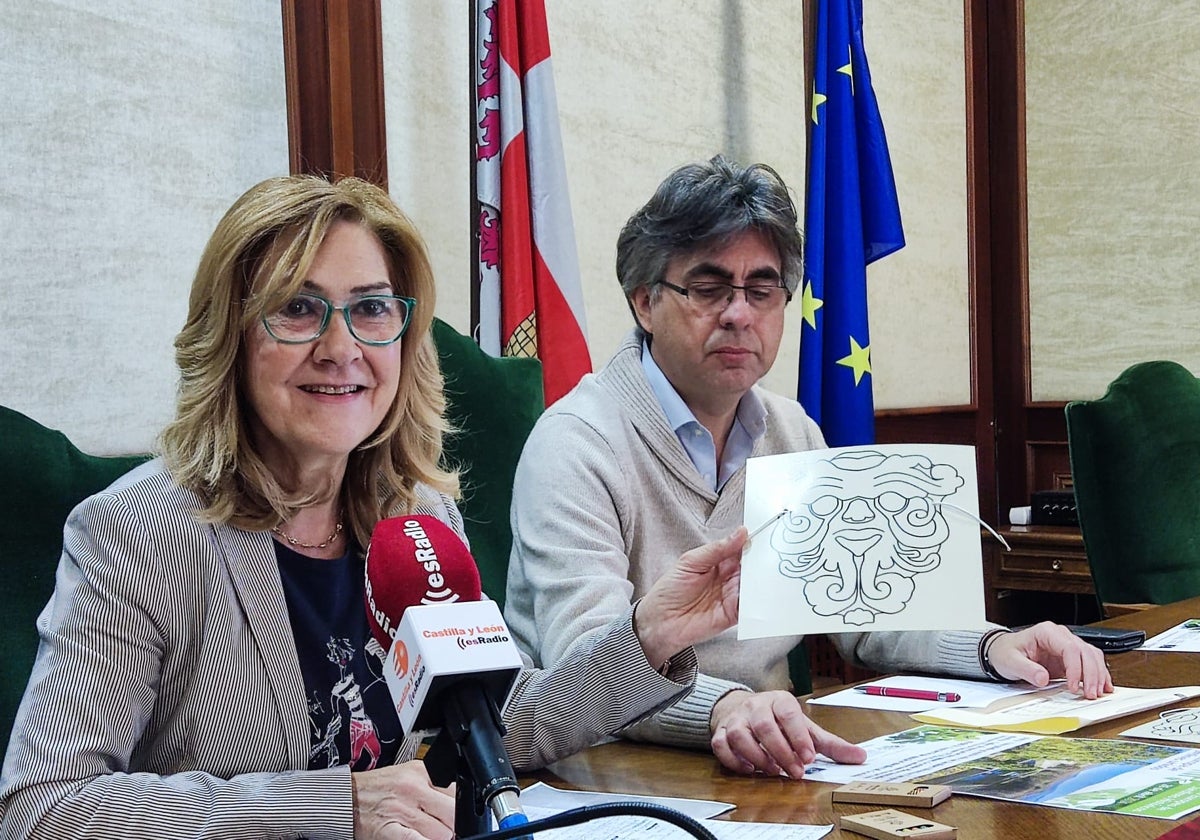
(809, 304)
(848, 68)
(818, 99)
(859, 360)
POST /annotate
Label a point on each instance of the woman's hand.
(400, 803)
(694, 601)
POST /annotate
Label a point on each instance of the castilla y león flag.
(530, 298)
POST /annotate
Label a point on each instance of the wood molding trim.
(973, 424)
(939, 424)
(1009, 288)
(333, 67)
(979, 253)
(1048, 465)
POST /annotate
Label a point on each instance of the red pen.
(909, 693)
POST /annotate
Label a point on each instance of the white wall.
(1114, 174)
(129, 127)
(918, 297)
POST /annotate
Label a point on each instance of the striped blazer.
(166, 699)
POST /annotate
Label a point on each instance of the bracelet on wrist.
(985, 646)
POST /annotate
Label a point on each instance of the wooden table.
(645, 769)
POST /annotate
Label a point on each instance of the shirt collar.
(676, 410)
(751, 412)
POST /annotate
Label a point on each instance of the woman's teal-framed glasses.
(377, 320)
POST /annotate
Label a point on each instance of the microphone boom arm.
(469, 750)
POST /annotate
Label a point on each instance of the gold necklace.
(295, 543)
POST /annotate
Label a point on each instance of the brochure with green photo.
(1124, 777)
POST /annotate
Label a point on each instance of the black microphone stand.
(469, 751)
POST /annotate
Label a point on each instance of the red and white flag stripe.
(531, 299)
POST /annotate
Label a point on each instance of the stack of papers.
(1056, 710)
(1011, 708)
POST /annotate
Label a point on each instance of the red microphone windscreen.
(415, 560)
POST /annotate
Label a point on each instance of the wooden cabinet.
(1045, 575)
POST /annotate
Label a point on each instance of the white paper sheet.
(1172, 725)
(974, 693)
(541, 800)
(881, 537)
(1055, 711)
(549, 798)
(1182, 638)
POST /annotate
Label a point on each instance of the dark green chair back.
(1135, 462)
(799, 669)
(42, 477)
(493, 402)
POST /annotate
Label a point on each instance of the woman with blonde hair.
(205, 666)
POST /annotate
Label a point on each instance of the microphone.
(415, 560)
(451, 662)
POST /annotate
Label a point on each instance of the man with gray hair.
(646, 459)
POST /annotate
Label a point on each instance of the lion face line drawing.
(867, 526)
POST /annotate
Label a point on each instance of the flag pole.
(472, 156)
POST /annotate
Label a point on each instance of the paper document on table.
(1172, 725)
(1056, 710)
(974, 694)
(1182, 638)
(649, 828)
(883, 537)
(548, 797)
(541, 800)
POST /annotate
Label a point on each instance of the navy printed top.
(350, 711)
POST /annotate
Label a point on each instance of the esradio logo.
(400, 658)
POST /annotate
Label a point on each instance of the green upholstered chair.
(493, 402)
(1135, 463)
(43, 477)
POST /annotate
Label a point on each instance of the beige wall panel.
(919, 296)
(645, 88)
(427, 104)
(1114, 190)
(128, 128)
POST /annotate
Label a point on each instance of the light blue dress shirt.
(749, 425)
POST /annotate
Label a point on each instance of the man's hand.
(768, 732)
(400, 803)
(694, 601)
(1047, 651)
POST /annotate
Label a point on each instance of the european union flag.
(851, 218)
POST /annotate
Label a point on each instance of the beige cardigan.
(605, 501)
